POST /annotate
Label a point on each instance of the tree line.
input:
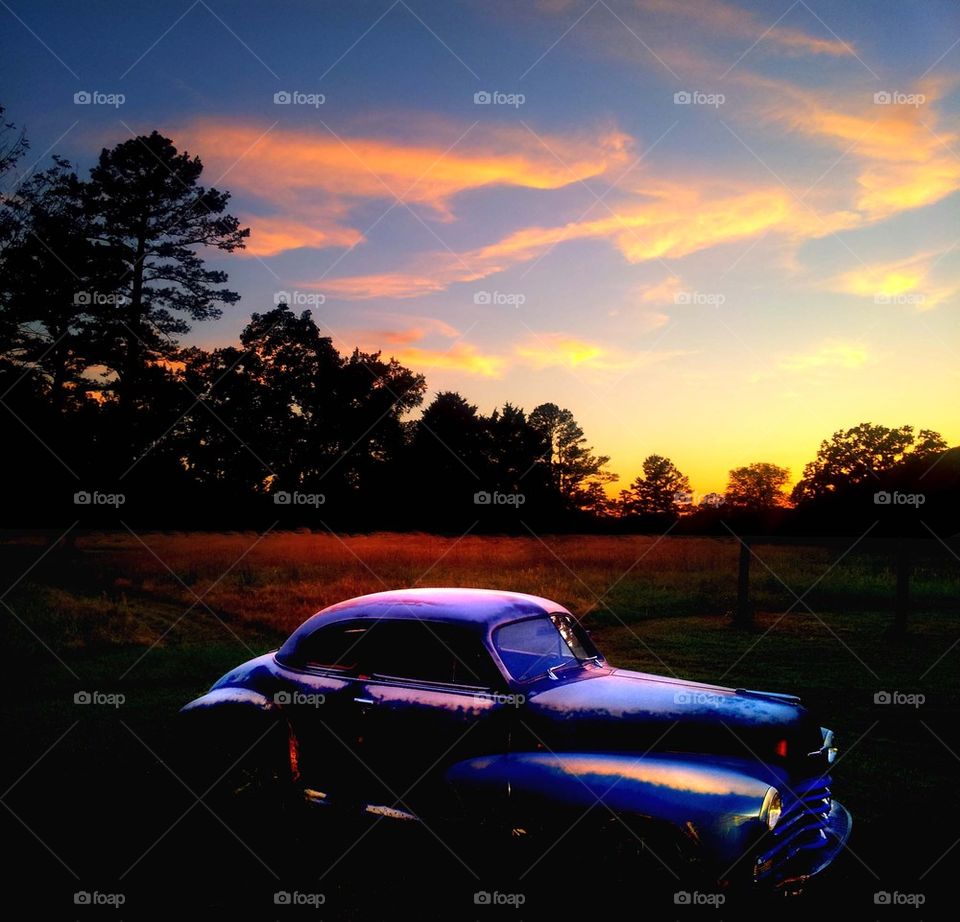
(106, 413)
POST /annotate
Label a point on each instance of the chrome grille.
(801, 829)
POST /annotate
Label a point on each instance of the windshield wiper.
(552, 670)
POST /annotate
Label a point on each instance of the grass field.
(158, 617)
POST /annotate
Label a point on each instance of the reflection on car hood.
(621, 709)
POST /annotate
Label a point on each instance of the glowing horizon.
(711, 233)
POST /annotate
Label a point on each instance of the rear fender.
(716, 809)
(229, 724)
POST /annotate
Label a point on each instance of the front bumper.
(808, 844)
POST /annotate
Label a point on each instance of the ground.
(143, 623)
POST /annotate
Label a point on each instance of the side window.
(339, 646)
(429, 652)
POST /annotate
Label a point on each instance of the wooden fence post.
(902, 597)
(743, 616)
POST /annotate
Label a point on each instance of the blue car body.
(484, 706)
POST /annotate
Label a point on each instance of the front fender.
(230, 697)
(718, 809)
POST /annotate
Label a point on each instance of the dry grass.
(124, 589)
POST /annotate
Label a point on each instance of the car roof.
(484, 608)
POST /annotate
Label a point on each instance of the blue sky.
(724, 280)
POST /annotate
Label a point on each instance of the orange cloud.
(904, 152)
(564, 350)
(901, 281)
(715, 18)
(829, 355)
(664, 292)
(301, 172)
(270, 235)
(663, 220)
(461, 357)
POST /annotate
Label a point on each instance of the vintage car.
(495, 708)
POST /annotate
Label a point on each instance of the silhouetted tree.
(512, 450)
(853, 456)
(13, 145)
(147, 207)
(446, 457)
(48, 276)
(572, 469)
(657, 490)
(757, 486)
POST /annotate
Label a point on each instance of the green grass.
(126, 617)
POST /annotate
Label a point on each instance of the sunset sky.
(722, 280)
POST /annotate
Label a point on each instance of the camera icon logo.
(881, 898)
(882, 697)
(282, 698)
(281, 297)
(482, 898)
(681, 898)
(82, 298)
(482, 98)
(882, 98)
(82, 98)
(82, 697)
(482, 498)
(282, 498)
(82, 498)
(81, 898)
(281, 898)
(282, 98)
(482, 297)
(882, 498)
(683, 98)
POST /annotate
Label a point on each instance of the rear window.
(425, 651)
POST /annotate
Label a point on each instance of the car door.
(319, 702)
(430, 695)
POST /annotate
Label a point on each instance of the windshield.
(532, 647)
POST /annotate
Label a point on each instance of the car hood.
(624, 710)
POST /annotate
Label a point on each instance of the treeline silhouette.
(107, 418)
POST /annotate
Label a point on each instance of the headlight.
(771, 808)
